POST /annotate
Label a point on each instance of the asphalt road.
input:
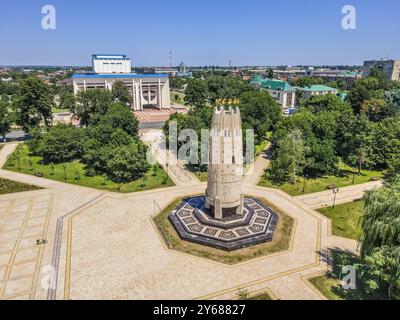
(15, 135)
(151, 125)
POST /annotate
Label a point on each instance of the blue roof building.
(147, 90)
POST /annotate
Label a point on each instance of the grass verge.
(8, 186)
(330, 285)
(346, 219)
(323, 183)
(74, 173)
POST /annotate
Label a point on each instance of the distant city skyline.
(205, 32)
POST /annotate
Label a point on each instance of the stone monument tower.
(225, 169)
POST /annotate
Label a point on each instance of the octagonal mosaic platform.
(194, 223)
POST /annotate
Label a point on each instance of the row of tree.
(106, 142)
(31, 104)
(379, 270)
(326, 130)
(108, 145)
(258, 109)
(202, 92)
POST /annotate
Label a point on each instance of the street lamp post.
(335, 192)
(304, 184)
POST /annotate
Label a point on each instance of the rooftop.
(272, 84)
(110, 56)
(116, 75)
(318, 88)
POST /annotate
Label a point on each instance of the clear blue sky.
(199, 32)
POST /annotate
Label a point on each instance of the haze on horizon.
(203, 32)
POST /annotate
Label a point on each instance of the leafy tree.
(127, 163)
(380, 272)
(6, 118)
(290, 158)
(197, 119)
(95, 157)
(318, 132)
(384, 82)
(62, 143)
(92, 103)
(35, 141)
(307, 81)
(393, 172)
(377, 109)
(356, 147)
(329, 102)
(368, 89)
(100, 132)
(177, 83)
(120, 138)
(119, 116)
(385, 142)
(220, 87)
(270, 73)
(101, 141)
(196, 93)
(393, 97)
(33, 104)
(8, 88)
(340, 84)
(259, 112)
(120, 93)
(381, 223)
(66, 97)
(181, 124)
(322, 158)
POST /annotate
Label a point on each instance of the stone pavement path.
(257, 169)
(103, 245)
(346, 194)
(175, 169)
(7, 150)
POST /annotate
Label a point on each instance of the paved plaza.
(101, 245)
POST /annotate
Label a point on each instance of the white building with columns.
(147, 90)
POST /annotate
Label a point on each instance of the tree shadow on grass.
(338, 259)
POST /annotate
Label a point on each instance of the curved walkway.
(257, 169)
(346, 194)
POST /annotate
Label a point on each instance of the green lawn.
(327, 285)
(75, 174)
(244, 295)
(259, 297)
(321, 184)
(261, 147)
(346, 219)
(202, 176)
(280, 242)
(181, 97)
(1, 145)
(58, 110)
(330, 285)
(7, 186)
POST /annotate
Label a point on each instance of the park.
(84, 199)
